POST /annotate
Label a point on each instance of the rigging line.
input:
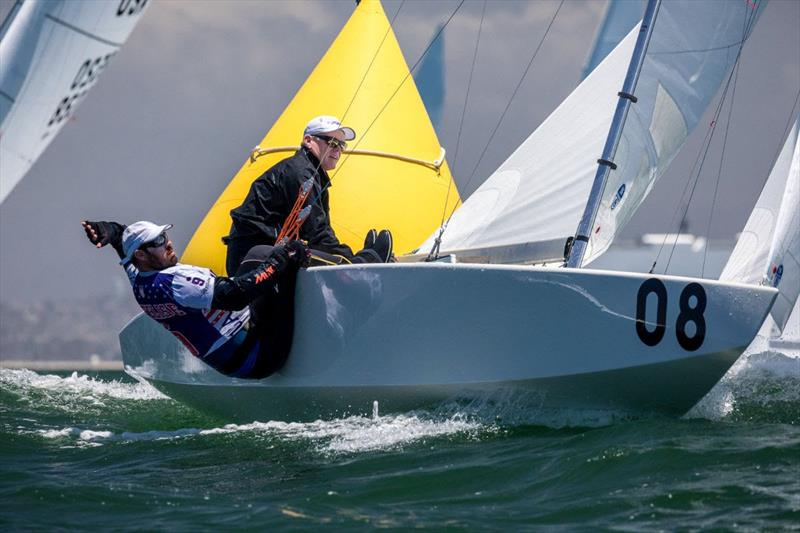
(434, 253)
(700, 50)
(318, 196)
(405, 78)
(709, 134)
(736, 70)
(719, 169)
(748, 26)
(388, 101)
(672, 223)
(372, 61)
(511, 99)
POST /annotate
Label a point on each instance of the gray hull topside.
(411, 336)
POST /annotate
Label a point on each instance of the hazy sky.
(200, 82)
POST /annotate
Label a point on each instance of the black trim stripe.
(82, 32)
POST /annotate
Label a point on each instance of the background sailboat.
(52, 53)
(768, 250)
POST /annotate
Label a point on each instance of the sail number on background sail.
(52, 53)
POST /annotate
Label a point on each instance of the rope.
(434, 253)
(719, 170)
(293, 223)
(700, 160)
(318, 195)
(508, 105)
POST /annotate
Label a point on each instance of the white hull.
(413, 335)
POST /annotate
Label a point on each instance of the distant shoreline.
(79, 364)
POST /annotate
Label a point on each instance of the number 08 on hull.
(407, 335)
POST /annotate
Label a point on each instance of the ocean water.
(102, 451)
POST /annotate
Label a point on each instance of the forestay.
(51, 55)
(540, 191)
(768, 250)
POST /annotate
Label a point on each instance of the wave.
(763, 385)
(342, 436)
(22, 382)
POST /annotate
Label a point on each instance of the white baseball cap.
(137, 234)
(327, 124)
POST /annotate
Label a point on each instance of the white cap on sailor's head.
(137, 234)
(327, 124)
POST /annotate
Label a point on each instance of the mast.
(606, 163)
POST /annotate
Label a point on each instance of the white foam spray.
(86, 387)
(347, 435)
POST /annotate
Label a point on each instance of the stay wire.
(372, 61)
(318, 195)
(719, 169)
(434, 253)
(736, 69)
(405, 78)
(689, 182)
(508, 104)
(399, 86)
(700, 161)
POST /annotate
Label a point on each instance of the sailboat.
(768, 249)
(52, 53)
(502, 306)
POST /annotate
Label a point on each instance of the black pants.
(271, 324)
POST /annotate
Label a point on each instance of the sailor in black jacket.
(260, 217)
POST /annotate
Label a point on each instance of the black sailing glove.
(237, 292)
(299, 253)
(104, 232)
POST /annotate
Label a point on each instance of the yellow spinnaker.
(364, 70)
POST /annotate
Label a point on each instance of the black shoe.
(383, 245)
(369, 241)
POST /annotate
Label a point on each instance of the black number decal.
(89, 71)
(692, 314)
(130, 7)
(78, 81)
(64, 109)
(84, 79)
(652, 285)
(688, 313)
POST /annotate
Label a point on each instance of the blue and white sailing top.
(179, 298)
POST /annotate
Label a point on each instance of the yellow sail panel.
(364, 80)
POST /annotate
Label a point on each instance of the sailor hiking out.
(264, 215)
(241, 326)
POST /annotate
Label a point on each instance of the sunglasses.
(333, 142)
(155, 243)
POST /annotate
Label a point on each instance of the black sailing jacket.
(260, 218)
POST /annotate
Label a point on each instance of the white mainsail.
(540, 191)
(768, 250)
(51, 55)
